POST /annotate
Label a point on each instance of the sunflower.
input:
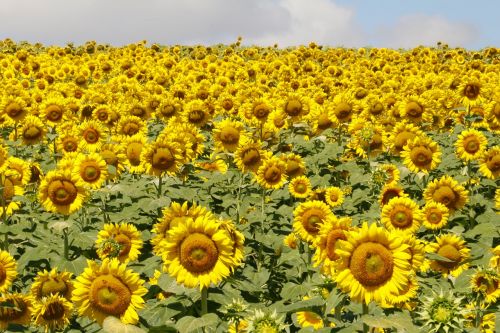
(403, 299)
(133, 147)
(300, 187)
(53, 312)
(249, 156)
(392, 173)
(54, 110)
(416, 247)
(486, 283)
(487, 321)
(296, 106)
(9, 191)
(15, 309)
(415, 109)
(295, 165)
(326, 242)
(196, 113)
(471, 92)
(310, 319)
(161, 157)
(125, 236)
(343, 107)
(198, 252)
(490, 163)
(334, 196)
(62, 192)
(272, 173)
(309, 216)
(401, 134)
(4, 155)
(237, 239)
(421, 154)
(68, 141)
(227, 135)
(52, 283)
(185, 134)
(258, 110)
(453, 248)
(32, 130)
(109, 290)
(131, 125)
(470, 145)
(172, 216)
(390, 191)
(115, 159)
(373, 264)
(93, 135)
(8, 270)
(15, 108)
(401, 214)
(435, 215)
(291, 240)
(92, 169)
(218, 165)
(168, 108)
(447, 191)
(19, 171)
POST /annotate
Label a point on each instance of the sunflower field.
(151, 188)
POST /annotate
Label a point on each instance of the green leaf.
(191, 324)
(303, 305)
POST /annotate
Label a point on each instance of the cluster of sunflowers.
(77, 121)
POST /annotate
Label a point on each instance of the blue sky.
(354, 23)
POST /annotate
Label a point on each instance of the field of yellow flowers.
(151, 188)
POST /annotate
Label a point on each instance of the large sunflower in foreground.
(373, 264)
(109, 290)
(453, 248)
(198, 252)
(447, 191)
(421, 154)
(62, 192)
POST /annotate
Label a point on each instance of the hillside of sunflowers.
(152, 188)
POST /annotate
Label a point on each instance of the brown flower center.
(90, 173)
(434, 216)
(229, 135)
(70, 145)
(91, 135)
(134, 153)
(125, 244)
(14, 110)
(493, 163)
(371, 264)
(250, 157)
(421, 156)
(53, 311)
(130, 128)
(261, 111)
(110, 295)
(162, 159)
(62, 192)
(198, 253)
(471, 144)
(272, 174)
(471, 90)
(293, 107)
(53, 286)
(343, 111)
(445, 195)
(196, 116)
(414, 109)
(402, 138)
(32, 133)
(54, 112)
(401, 217)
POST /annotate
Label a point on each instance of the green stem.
(262, 210)
(204, 301)
(160, 181)
(66, 244)
(365, 312)
(338, 312)
(238, 195)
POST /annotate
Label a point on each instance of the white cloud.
(413, 30)
(321, 21)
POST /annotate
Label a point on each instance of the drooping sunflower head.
(109, 290)
(15, 309)
(52, 312)
(373, 264)
(435, 215)
(52, 283)
(401, 214)
(454, 252)
(300, 187)
(447, 191)
(308, 218)
(62, 192)
(295, 165)
(470, 145)
(272, 173)
(391, 191)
